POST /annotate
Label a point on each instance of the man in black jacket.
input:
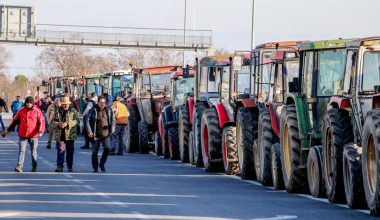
(100, 125)
(3, 107)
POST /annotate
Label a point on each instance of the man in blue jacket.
(16, 105)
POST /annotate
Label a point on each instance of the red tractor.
(208, 75)
(150, 90)
(167, 138)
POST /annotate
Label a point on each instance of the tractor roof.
(280, 55)
(274, 45)
(91, 76)
(369, 41)
(222, 59)
(64, 77)
(161, 69)
(325, 44)
(177, 74)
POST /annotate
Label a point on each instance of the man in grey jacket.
(100, 125)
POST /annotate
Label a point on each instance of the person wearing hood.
(31, 122)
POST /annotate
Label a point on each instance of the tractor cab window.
(202, 81)
(290, 72)
(371, 70)
(183, 87)
(160, 82)
(214, 78)
(93, 85)
(265, 80)
(116, 85)
(331, 69)
(243, 81)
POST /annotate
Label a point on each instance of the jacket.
(72, 119)
(90, 120)
(3, 105)
(50, 112)
(16, 105)
(31, 122)
(121, 113)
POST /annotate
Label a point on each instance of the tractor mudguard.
(274, 120)
(190, 104)
(222, 114)
(160, 126)
(168, 114)
(246, 103)
(340, 102)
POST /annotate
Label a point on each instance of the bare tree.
(5, 57)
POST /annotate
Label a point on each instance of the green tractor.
(357, 105)
(302, 119)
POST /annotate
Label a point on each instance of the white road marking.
(277, 217)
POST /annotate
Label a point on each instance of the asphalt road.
(143, 187)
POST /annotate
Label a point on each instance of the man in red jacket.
(31, 122)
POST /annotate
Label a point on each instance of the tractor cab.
(60, 86)
(182, 86)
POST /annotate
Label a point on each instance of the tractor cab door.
(264, 81)
(225, 91)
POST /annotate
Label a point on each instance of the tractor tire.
(353, 177)
(295, 178)
(157, 144)
(278, 180)
(246, 126)
(229, 150)
(265, 139)
(211, 141)
(337, 131)
(165, 138)
(371, 161)
(173, 143)
(143, 137)
(314, 172)
(191, 153)
(184, 131)
(197, 119)
(132, 133)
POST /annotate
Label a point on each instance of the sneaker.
(34, 169)
(95, 171)
(102, 168)
(70, 169)
(18, 169)
(59, 170)
(48, 146)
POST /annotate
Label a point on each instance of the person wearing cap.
(50, 115)
(31, 122)
(65, 121)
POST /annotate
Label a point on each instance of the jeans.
(118, 139)
(51, 134)
(33, 142)
(106, 142)
(65, 147)
(1, 121)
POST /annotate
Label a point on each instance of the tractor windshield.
(243, 80)
(159, 81)
(183, 87)
(371, 70)
(92, 86)
(116, 86)
(331, 69)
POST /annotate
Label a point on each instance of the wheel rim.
(313, 173)
(196, 140)
(126, 139)
(225, 152)
(329, 158)
(240, 146)
(256, 158)
(371, 164)
(180, 127)
(347, 179)
(286, 150)
(205, 140)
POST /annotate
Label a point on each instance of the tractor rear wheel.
(229, 150)
(143, 137)
(197, 119)
(295, 178)
(353, 177)
(184, 130)
(265, 139)
(157, 144)
(371, 161)
(337, 132)
(314, 172)
(132, 133)
(246, 126)
(211, 141)
(191, 153)
(278, 180)
(173, 143)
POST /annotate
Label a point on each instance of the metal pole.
(253, 26)
(184, 33)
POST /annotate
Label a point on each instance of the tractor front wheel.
(229, 150)
(143, 137)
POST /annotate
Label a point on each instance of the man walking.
(121, 115)
(50, 116)
(31, 124)
(16, 105)
(65, 120)
(3, 107)
(90, 104)
(100, 125)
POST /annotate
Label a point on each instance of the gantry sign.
(17, 26)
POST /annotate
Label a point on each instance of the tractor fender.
(376, 101)
(190, 103)
(290, 99)
(160, 126)
(340, 102)
(274, 120)
(168, 114)
(246, 103)
(222, 114)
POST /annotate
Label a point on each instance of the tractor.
(350, 129)
(150, 90)
(207, 79)
(302, 118)
(167, 138)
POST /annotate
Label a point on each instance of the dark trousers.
(106, 142)
(118, 139)
(65, 147)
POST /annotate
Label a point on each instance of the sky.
(230, 20)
